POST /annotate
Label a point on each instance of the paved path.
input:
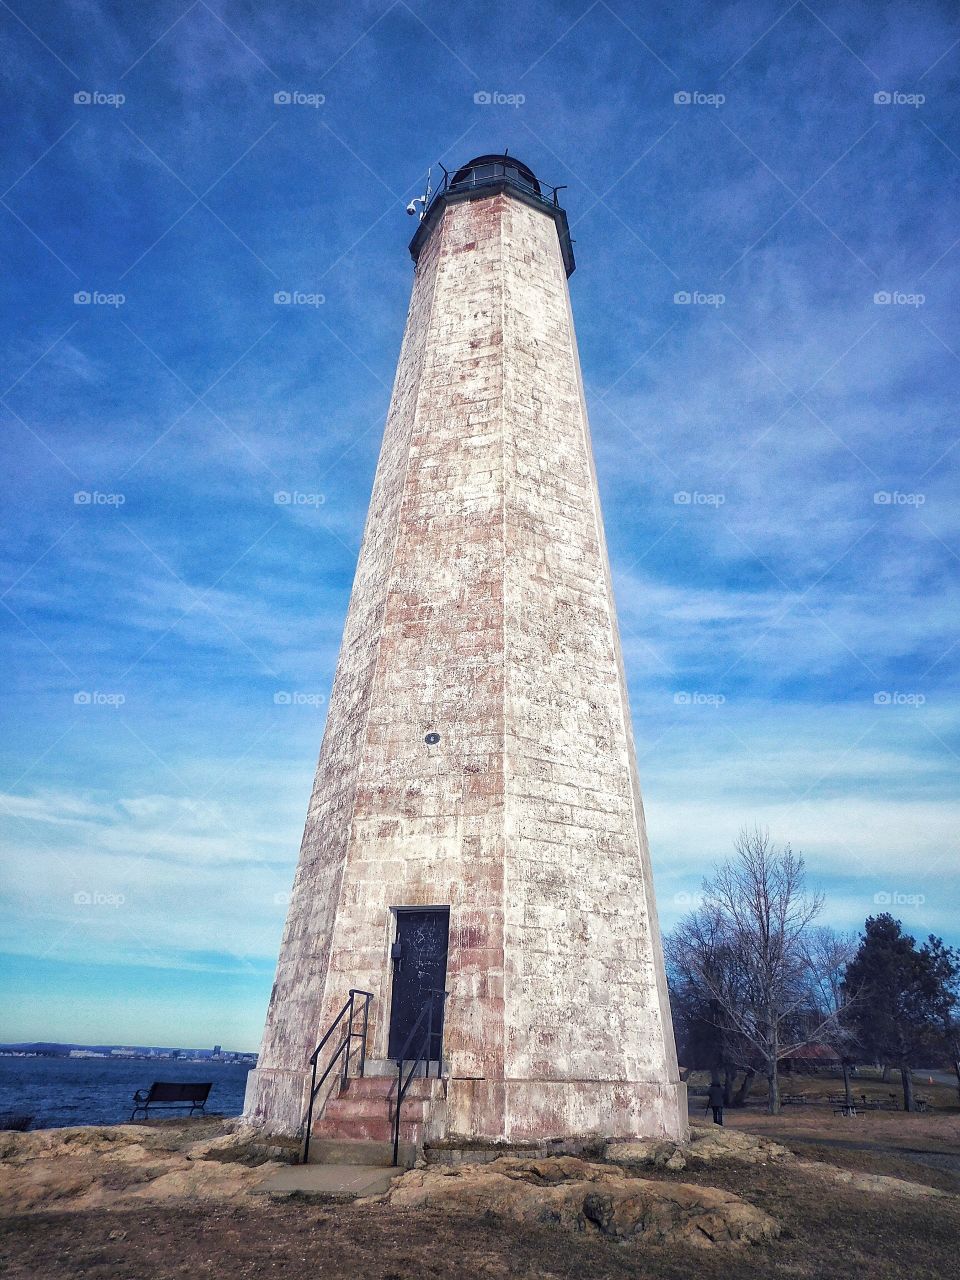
(329, 1181)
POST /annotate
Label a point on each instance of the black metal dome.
(485, 169)
(487, 176)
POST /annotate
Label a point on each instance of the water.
(59, 1092)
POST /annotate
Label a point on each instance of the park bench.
(793, 1099)
(165, 1093)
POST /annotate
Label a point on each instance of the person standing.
(715, 1101)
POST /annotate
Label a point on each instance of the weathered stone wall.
(483, 611)
(295, 1017)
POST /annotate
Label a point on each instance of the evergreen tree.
(945, 962)
(893, 987)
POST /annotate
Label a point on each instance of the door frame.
(392, 931)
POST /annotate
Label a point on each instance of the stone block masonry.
(483, 611)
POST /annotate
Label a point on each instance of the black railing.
(496, 172)
(424, 1055)
(343, 1051)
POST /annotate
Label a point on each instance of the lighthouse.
(472, 949)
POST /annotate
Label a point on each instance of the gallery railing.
(497, 172)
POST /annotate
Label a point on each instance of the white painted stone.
(483, 610)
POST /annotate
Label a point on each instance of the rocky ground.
(586, 1196)
(122, 1166)
(173, 1199)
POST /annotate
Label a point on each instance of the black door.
(419, 972)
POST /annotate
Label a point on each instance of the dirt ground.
(842, 1235)
(829, 1232)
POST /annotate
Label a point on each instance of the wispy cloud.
(741, 443)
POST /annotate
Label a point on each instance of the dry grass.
(819, 1088)
(829, 1233)
(827, 1237)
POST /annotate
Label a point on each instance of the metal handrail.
(344, 1048)
(465, 183)
(426, 1045)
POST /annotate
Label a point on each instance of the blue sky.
(790, 636)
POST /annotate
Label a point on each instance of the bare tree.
(747, 947)
(705, 1033)
(829, 954)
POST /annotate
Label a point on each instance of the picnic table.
(845, 1108)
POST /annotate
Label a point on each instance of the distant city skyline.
(102, 1051)
(206, 292)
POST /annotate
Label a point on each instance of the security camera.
(422, 201)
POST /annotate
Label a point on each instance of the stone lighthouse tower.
(475, 856)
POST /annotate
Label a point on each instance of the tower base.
(540, 1110)
(496, 1111)
(275, 1101)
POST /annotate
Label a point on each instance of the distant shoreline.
(53, 1090)
(145, 1053)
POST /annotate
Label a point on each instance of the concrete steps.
(347, 1152)
(364, 1111)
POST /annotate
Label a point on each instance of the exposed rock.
(710, 1144)
(120, 1166)
(15, 1148)
(583, 1196)
(714, 1144)
(242, 1146)
(873, 1182)
(653, 1152)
